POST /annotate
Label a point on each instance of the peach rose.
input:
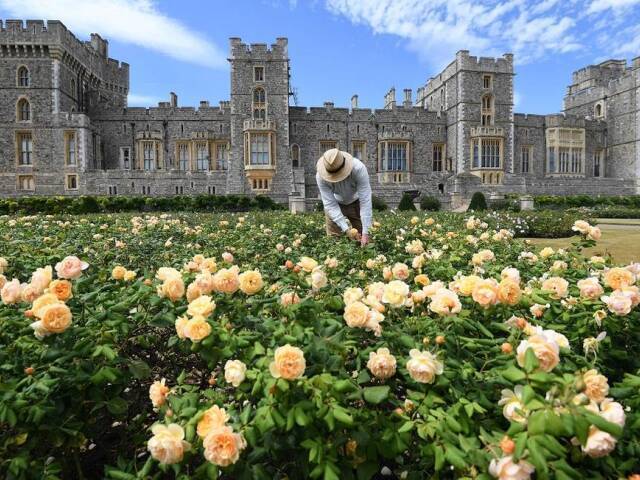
(43, 301)
(556, 286)
(511, 273)
(400, 271)
(226, 280)
(3, 281)
(234, 372)
(165, 272)
(205, 282)
(318, 279)
(56, 317)
(590, 288)
(288, 363)
(612, 412)
(352, 294)
(61, 289)
(29, 292)
(395, 293)
(158, 393)
(193, 292)
(594, 233)
(39, 331)
(250, 282)
(382, 364)
(445, 302)
(599, 444)
(512, 404)
(507, 469)
(42, 277)
(202, 306)
(11, 292)
(422, 280)
(172, 288)
(485, 293)
(581, 226)
(70, 267)
(618, 303)
(509, 292)
(118, 272)
(223, 446)
(180, 323)
(307, 264)
(423, 366)
(596, 385)
(465, 284)
(197, 328)
(227, 257)
(289, 298)
(167, 444)
(214, 417)
(356, 314)
(547, 352)
(618, 277)
(376, 289)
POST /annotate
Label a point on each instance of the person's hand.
(353, 234)
(364, 239)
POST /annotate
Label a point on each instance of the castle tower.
(259, 160)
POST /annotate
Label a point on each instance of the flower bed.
(199, 346)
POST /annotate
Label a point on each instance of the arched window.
(259, 104)
(598, 110)
(24, 110)
(24, 79)
(72, 87)
(295, 155)
(487, 110)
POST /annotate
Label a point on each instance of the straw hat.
(334, 165)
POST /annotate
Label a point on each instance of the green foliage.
(478, 202)
(566, 201)
(378, 204)
(429, 203)
(406, 203)
(102, 204)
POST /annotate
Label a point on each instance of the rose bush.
(204, 346)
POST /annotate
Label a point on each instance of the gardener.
(344, 187)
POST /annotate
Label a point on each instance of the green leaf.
(376, 395)
(602, 424)
(536, 457)
(454, 456)
(341, 415)
(513, 374)
(536, 423)
(139, 369)
(530, 361)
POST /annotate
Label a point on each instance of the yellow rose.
(118, 272)
(223, 446)
(158, 392)
(509, 292)
(465, 285)
(61, 289)
(288, 363)
(596, 385)
(547, 352)
(250, 282)
(617, 277)
(422, 280)
(512, 403)
(307, 264)
(423, 366)
(167, 444)
(214, 417)
(382, 364)
(56, 317)
(180, 323)
(129, 275)
(546, 252)
(43, 301)
(226, 280)
(556, 286)
(202, 306)
(173, 288)
(356, 314)
(197, 328)
(395, 293)
(445, 302)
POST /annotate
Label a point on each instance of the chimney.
(173, 99)
(204, 103)
(328, 106)
(390, 99)
(354, 102)
(408, 102)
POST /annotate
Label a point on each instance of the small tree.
(478, 202)
(406, 203)
(430, 203)
(378, 203)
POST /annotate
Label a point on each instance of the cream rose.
(234, 372)
(596, 385)
(164, 272)
(167, 444)
(226, 280)
(3, 265)
(618, 303)
(400, 271)
(172, 288)
(202, 306)
(352, 294)
(356, 315)
(250, 282)
(197, 329)
(485, 292)
(289, 298)
(512, 404)
(512, 273)
(11, 292)
(214, 417)
(70, 267)
(581, 226)
(612, 412)
(556, 286)
(223, 446)
(288, 363)
(180, 323)
(546, 351)
(599, 443)
(423, 366)
(42, 277)
(382, 364)
(590, 288)
(395, 293)
(318, 278)
(307, 264)
(506, 469)
(445, 302)
(158, 392)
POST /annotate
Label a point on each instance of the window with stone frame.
(26, 182)
(222, 155)
(70, 149)
(149, 156)
(525, 158)
(487, 81)
(259, 104)
(599, 163)
(295, 155)
(394, 156)
(260, 184)
(487, 110)
(202, 156)
(125, 157)
(258, 74)
(24, 147)
(565, 151)
(24, 77)
(71, 182)
(358, 149)
(486, 152)
(438, 157)
(259, 149)
(23, 110)
(183, 159)
(327, 145)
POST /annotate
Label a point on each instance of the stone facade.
(67, 130)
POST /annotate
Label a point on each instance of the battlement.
(240, 50)
(502, 64)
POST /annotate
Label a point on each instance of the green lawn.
(621, 241)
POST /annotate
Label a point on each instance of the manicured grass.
(622, 242)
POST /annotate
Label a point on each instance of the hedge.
(112, 204)
(564, 201)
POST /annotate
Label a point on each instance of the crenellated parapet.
(276, 51)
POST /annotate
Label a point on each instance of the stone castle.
(67, 130)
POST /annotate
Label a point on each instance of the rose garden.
(250, 346)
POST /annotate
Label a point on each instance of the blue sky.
(341, 47)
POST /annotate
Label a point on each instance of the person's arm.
(331, 206)
(364, 195)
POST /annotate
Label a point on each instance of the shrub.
(478, 202)
(430, 203)
(406, 203)
(378, 204)
(564, 201)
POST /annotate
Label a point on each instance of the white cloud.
(137, 100)
(517, 99)
(602, 5)
(137, 22)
